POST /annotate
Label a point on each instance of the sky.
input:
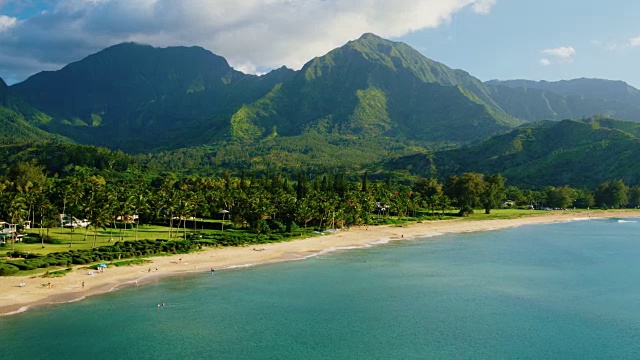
(490, 39)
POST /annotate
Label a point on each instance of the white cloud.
(7, 22)
(265, 33)
(563, 54)
(634, 42)
(249, 68)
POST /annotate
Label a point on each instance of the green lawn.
(67, 239)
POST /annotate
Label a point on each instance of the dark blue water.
(560, 291)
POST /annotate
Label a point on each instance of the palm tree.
(48, 215)
(99, 218)
(17, 210)
(70, 191)
(139, 201)
(165, 197)
(95, 203)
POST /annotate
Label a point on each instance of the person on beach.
(83, 284)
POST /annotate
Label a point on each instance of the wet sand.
(14, 298)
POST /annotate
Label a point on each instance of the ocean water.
(556, 291)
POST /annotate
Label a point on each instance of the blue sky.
(508, 42)
(503, 39)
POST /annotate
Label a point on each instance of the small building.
(72, 222)
(9, 231)
(8, 228)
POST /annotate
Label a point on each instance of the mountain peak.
(371, 36)
(117, 82)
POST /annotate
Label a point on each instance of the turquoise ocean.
(554, 291)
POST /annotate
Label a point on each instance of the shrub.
(19, 264)
(8, 269)
(18, 254)
(292, 227)
(78, 261)
(262, 227)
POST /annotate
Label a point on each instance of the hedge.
(8, 269)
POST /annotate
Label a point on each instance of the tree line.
(272, 202)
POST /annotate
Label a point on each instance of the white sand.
(14, 298)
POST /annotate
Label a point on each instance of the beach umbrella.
(102, 265)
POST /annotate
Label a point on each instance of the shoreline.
(15, 299)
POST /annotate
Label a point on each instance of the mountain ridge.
(380, 98)
(615, 90)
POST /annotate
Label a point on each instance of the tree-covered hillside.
(14, 128)
(15, 124)
(569, 152)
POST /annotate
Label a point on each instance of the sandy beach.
(15, 298)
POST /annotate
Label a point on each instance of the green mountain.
(379, 98)
(573, 99)
(374, 87)
(567, 152)
(137, 97)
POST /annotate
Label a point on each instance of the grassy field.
(505, 214)
(65, 239)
